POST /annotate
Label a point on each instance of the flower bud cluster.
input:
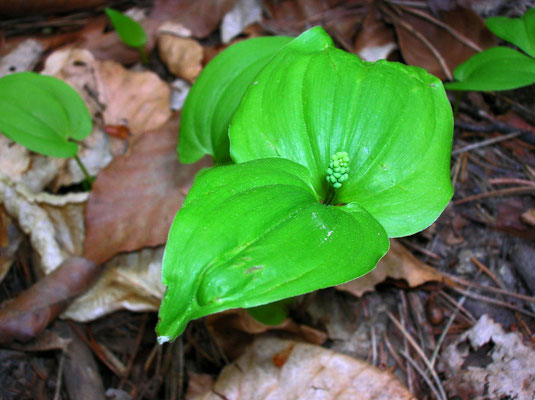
(338, 170)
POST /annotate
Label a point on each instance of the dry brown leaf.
(182, 56)
(198, 384)
(235, 329)
(488, 363)
(25, 316)
(398, 263)
(134, 199)
(528, 217)
(201, 17)
(375, 40)
(282, 369)
(464, 21)
(10, 238)
(137, 99)
(129, 281)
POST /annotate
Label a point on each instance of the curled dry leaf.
(182, 56)
(25, 316)
(131, 281)
(134, 199)
(398, 263)
(488, 363)
(282, 369)
(53, 223)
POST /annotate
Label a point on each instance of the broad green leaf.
(131, 32)
(255, 233)
(214, 97)
(395, 122)
(519, 31)
(497, 68)
(43, 114)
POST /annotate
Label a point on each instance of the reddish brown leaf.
(135, 198)
(416, 34)
(201, 17)
(375, 40)
(25, 316)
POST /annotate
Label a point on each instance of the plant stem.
(330, 196)
(143, 53)
(88, 177)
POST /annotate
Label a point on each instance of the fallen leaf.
(528, 217)
(282, 369)
(198, 384)
(488, 363)
(14, 158)
(179, 91)
(134, 199)
(398, 263)
(243, 14)
(201, 17)
(25, 316)
(129, 281)
(139, 100)
(24, 57)
(375, 40)
(10, 238)
(182, 56)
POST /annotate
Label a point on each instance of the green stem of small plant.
(143, 54)
(88, 177)
(330, 196)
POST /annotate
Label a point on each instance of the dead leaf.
(243, 14)
(14, 158)
(413, 31)
(398, 263)
(282, 369)
(201, 17)
(182, 56)
(10, 238)
(488, 363)
(129, 281)
(25, 316)
(134, 199)
(528, 217)
(198, 384)
(24, 57)
(375, 40)
(137, 99)
(234, 329)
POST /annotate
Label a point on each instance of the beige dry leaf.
(24, 57)
(243, 14)
(281, 369)
(488, 363)
(10, 238)
(53, 223)
(398, 263)
(182, 56)
(131, 281)
(139, 100)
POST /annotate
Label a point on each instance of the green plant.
(44, 114)
(130, 32)
(332, 156)
(501, 68)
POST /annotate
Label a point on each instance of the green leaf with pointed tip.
(42, 113)
(519, 31)
(394, 121)
(214, 97)
(497, 68)
(131, 32)
(254, 233)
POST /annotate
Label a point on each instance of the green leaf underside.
(216, 94)
(42, 113)
(254, 233)
(395, 122)
(130, 31)
(497, 68)
(519, 31)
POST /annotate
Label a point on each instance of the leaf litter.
(416, 309)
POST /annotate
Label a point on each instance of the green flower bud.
(338, 169)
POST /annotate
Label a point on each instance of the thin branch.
(486, 142)
(422, 374)
(496, 193)
(445, 331)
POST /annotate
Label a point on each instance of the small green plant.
(130, 32)
(44, 114)
(501, 68)
(320, 158)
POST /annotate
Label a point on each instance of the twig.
(420, 249)
(486, 142)
(486, 270)
(393, 352)
(422, 374)
(422, 355)
(510, 181)
(134, 353)
(495, 193)
(445, 331)
(57, 393)
(452, 301)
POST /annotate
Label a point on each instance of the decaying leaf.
(129, 281)
(398, 263)
(243, 14)
(134, 200)
(25, 316)
(271, 367)
(53, 223)
(24, 57)
(488, 363)
(10, 238)
(182, 56)
(375, 40)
